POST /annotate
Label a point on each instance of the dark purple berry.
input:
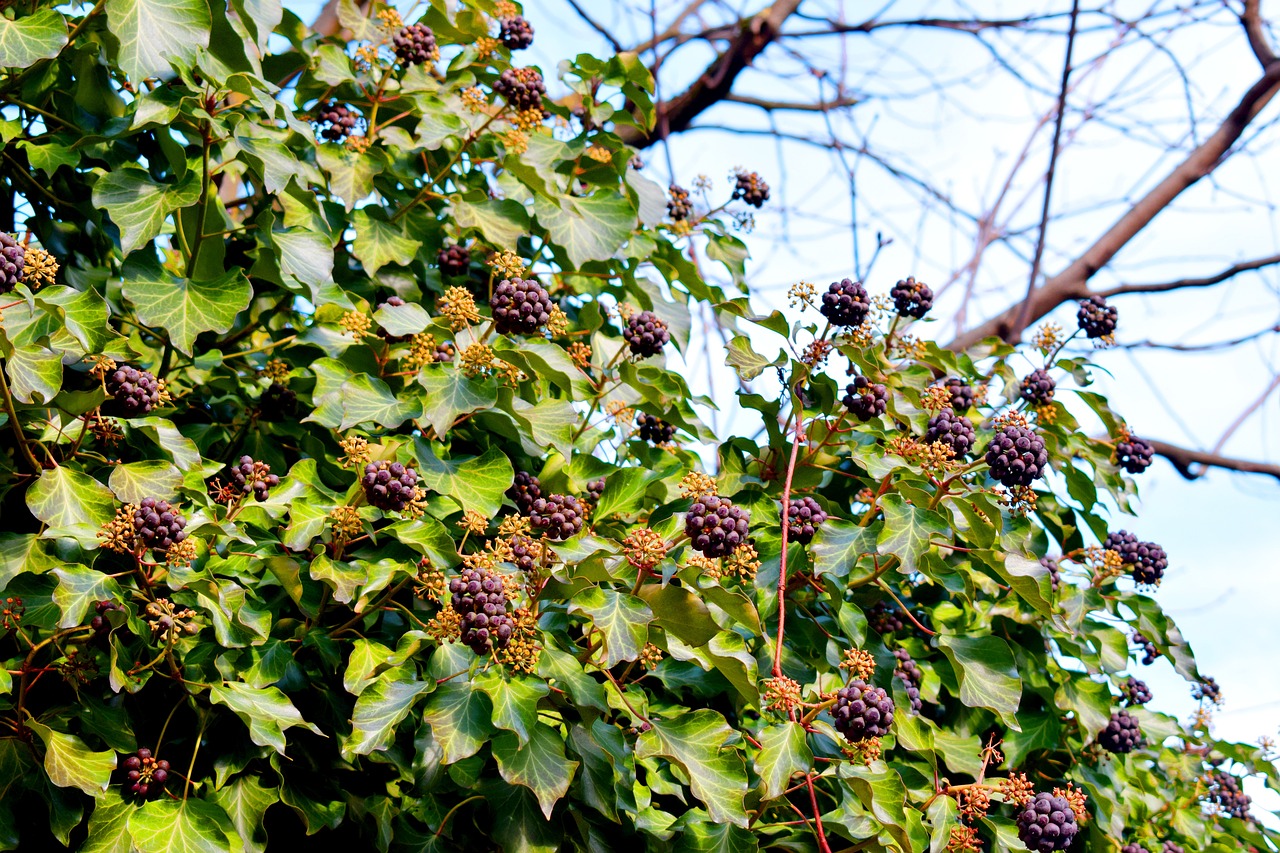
(750, 188)
(646, 334)
(521, 87)
(846, 303)
(454, 260)
(804, 516)
(390, 486)
(1121, 734)
(680, 207)
(516, 33)
(911, 298)
(158, 525)
(520, 306)
(1136, 692)
(134, 392)
(1047, 823)
(653, 429)
(862, 711)
(337, 121)
(961, 395)
(1038, 387)
(1134, 454)
(480, 598)
(715, 526)
(524, 491)
(865, 400)
(13, 262)
(414, 45)
(950, 429)
(1016, 456)
(556, 516)
(1096, 318)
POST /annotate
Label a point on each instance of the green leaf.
(678, 611)
(109, 828)
(746, 361)
(623, 492)
(1039, 731)
(408, 319)
(450, 393)
(987, 674)
(907, 530)
(784, 751)
(246, 801)
(883, 794)
(153, 31)
(837, 546)
(366, 399)
(66, 499)
(35, 373)
(591, 228)
(1029, 580)
(380, 242)
(622, 619)
(182, 307)
(699, 741)
(476, 483)
(460, 720)
(515, 702)
(70, 763)
(134, 481)
(79, 587)
(539, 765)
(701, 835)
(181, 826)
(381, 707)
(28, 40)
(265, 710)
(307, 258)
(138, 205)
(501, 223)
(350, 174)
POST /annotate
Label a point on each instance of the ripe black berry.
(1055, 575)
(392, 302)
(135, 392)
(454, 260)
(1149, 652)
(481, 600)
(1225, 793)
(680, 207)
(1133, 848)
(845, 303)
(950, 429)
(520, 306)
(1171, 847)
(1134, 454)
(522, 87)
(389, 486)
(646, 334)
(557, 516)
(336, 121)
(99, 622)
(1136, 692)
(911, 298)
(444, 353)
(961, 395)
(715, 526)
(595, 489)
(524, 491)
(653, 429)
(1096, 318)
(1017, 456)
(256, 477)
(1121, 734)
(804, 517)
(1047, 823)
(884, 619)
(1207, 688)
(158, 524)
(277, 403)
(1037, 387)
(911, 676)
(865, 400)
(862, 711)
(13, 261)
(414, 45)
(145, 775)
(523, 556)
(516, 33)
(751, 188)
(1146, 560)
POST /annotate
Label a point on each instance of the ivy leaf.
(182, 307)
(476, 482)
(515, 702)
(837, 546)
(501, 223)
(450, 393)
(28, 40)
(265, 710)
(1039, 731)
(71, 764)
(622, 619)
(590, 228)
(987, 674)
(623, 492)
(408, 319)
(539, 765)
(85, 314)
(380, 242)
(78, 588)
(1028, 579)
(138, 205)
(109, 828)
(134, 481)
(907, 530)
(307, 258)
(883, 794)
(699, 741)
(381, 708)
(679, 611)
(181, 826)
(550, 422)
(460, 720)
(35, 372)
(522, 828)
(72, 501)
(367, 399)
(1090, 701)
(246, 801)
(784, 751)
(702, 835)
(350, 174)
(748, 363)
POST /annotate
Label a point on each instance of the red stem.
(782, 561)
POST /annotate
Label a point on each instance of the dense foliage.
(350, 493)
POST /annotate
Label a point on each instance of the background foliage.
(166, 154)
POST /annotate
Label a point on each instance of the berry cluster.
(1134, 454)
(480, 599)
(680, 207)
(524, 553)
(911, 676)
(1207, 688)
(145, 774)
(751, 188)
(961, 394)
(1121, 734)
(1038, 387)
(1225, 793)
(595, 488)
(524, 491)
(414, 45)
(277, 403)
(646, 334)
(13, 261)
(522, 87)
(911, 298)
(158, 525)
(846, 303)
(715, 526)
(337, 121)
(135, 392)
(558, 516)
(454, 260)
(1136, 692)
(1146, 560)
(1171, 847)
(950, 429)
(444, 353)
(256, 477)
(516, 32)
(653, 429)
(883, 619)
(1017, 456)
(865, 400)
(99, 623)
(1133, 848)
(1047, 823)
(1096, 318)
(862, 711)
(804, 517)
(520, 306)
(389, 486)
(1149, 652)
(1055, 574)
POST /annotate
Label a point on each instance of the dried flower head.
(527, 120)
(644, 548)
(422, 351)
(445, 626)
(744, 562)
(974, 803)
(485, 46)
(802, 294)
(119, 534)
(909, 346)
(580, 354)
(1019, 500)
(358, 143)
(706, 565)
(355, 452)
(346, 523)
(1076, 798)
(1105, 564)
(389, 20)
(516, 141)
(355, 324)
(105, 430)
(102, 365)
(600, 154)
(181, 553)
(1009, 419)
(276, 369)
(860, 662)
(816, 353)
(1047, 337)
(505, 9)
(702, 183)
(473, 99)
(964, 839)
(473, 522)
(367, 56)
(650, 656)
(622, 414)
(459, 306)
(430, 581)
(39, 268)
(11, 613)
(558, 324)
(696, 484)
(782, 694)
(1016, 789)
(507, 265)
(936, 398)
(514, 525)
(169, 621)
(477, 360)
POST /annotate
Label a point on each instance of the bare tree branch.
(1207, 281)
(601, 29)
(1192, 464)
(1251, 17)
(793, 105)
(1219, 345)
